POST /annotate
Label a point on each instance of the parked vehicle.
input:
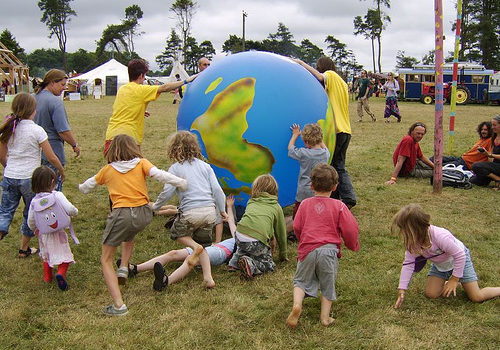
(473, 85)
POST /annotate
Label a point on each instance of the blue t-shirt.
(52, 117)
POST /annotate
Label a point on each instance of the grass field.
(238, 314)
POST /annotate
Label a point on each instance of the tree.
(381, 19)
(428, 58)
(133, 14)
(41, 60)
(308, 52)
(207, 49)
(480, 34)
(11, 43)
(281, 42)
(55, 15)
(81, 61)
(403, 61)
(193, 53)
(184, 10)
(343, 58)
(234, 45)
(119, 37)
(370, 27)
(171, 51)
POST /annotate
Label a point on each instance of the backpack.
(50, 216)
(455, 178)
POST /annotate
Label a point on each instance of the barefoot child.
(54, 246)
(125, 178)
(315, 152)
(20, 143)
(451, 261)
(262, 222)
(321, 224)
(198, 203)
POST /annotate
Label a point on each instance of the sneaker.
(161, 279)
(132, 272)
(111, 310)
(61, 282)
(246, 270)
(122, 274)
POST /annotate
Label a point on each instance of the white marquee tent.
(112, 68)
(176, 69)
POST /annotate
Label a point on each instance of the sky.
(411, 28)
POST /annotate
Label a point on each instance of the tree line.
(480, 40)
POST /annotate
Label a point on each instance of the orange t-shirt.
(474, 156)
(126, 189)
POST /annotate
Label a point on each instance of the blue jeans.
(58, 180)
(12, 191)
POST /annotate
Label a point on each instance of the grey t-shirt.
(52, 117)
(308, 158)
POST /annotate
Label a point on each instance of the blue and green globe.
(241, 108)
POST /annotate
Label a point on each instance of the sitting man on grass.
(473, 155)
(409, 161)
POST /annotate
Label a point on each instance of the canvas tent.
(106, 79)
(176, 69)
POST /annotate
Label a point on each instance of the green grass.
(252, 315)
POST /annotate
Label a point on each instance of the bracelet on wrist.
(185, 81)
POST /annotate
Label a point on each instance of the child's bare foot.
(194, 259)
(293, 318)
(327, 322)
(209, 284)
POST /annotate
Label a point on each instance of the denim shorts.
(217, 255)
(12, 192)
(469, 274)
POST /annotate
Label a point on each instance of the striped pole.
(438, 115)
(453, 102)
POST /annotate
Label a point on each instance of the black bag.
(455, 178)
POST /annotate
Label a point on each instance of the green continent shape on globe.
(222, 127)
(328, 126)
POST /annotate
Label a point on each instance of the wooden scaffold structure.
(13, 71)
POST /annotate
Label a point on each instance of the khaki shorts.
(196, 223)
(122, 224)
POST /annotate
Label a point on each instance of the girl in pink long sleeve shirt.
(451, 262)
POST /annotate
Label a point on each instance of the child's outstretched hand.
(401, 298)
(295, 129)
(230, 201)
(450, 286)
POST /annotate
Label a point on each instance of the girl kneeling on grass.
(125, 178)
(451, 261)
(54, 246)
(20, 143)
(262, 224)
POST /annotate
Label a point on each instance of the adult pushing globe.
(241, 108)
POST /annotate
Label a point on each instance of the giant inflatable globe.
(241, 108)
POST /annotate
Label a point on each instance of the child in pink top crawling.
(451, 261)
(320, 225)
